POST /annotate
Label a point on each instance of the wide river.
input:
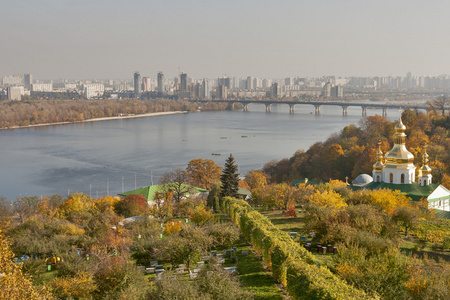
(108, 156)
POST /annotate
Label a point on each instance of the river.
(108, 156)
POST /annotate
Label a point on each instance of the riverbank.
(102, 119)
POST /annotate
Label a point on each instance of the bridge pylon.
(364, 111)
(268, 107)
(344, 110)
(291, 108)
(317, 109)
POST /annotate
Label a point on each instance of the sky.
(111, 39)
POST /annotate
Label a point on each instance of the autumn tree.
(6, 213)
(203, 173)
(327, 199)
(177, 182)
(185, 247)
(229, 178)
(132, 205)
(76, 207)
(441, 104)
(406, 217)
(13, 283)
(256, 179)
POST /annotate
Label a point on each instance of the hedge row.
(291, 264)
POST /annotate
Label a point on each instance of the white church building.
(396, 167)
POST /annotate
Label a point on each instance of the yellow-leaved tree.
(386, 199)
(14, 285)
(327, 199)
(256, 179)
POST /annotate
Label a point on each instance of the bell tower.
(377, 172)
(425, 170)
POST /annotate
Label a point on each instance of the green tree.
(406, 217)
(186, 247)
(177, 182)
(229, 178)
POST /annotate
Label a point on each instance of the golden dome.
(399, 154)
(378, 166)
(425, 169)
(400, 126)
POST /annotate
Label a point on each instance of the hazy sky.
(210, 38)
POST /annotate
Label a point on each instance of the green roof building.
(150, 192)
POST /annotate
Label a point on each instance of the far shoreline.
(132, 116)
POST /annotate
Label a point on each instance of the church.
(397, 166)
(396, 170)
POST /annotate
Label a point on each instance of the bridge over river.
(317, 104)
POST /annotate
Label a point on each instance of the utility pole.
(135, 174)
(107, 187)
(90, 190)
(122, 184)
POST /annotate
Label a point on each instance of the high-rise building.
(327, 90)
(15, 92)
(146, 84)
(275, 90)
(137, 84)
(93, 90)
(28, 80)
(338, 91)
(12, 80)
(257, 83)
(250, 83)
(266, 83)
(205, 89)
(42, 87)
(183, 82)
(222, 92)
(160, 79)
(226, 81)
(288, 81)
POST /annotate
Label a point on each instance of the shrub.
(132, 205)
(291, 264)
(224, 235)
(172, 227)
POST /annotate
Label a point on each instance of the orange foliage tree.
(203, 173)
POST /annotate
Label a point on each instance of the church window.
(402, 178)
(378, 178)
(391, 177)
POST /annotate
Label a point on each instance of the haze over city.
(272, 39)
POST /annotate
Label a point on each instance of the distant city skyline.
(81, 39)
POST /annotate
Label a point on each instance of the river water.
(110, 156)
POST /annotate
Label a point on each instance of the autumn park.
(303, 230)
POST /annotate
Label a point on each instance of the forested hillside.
(353, 150)
(24, 113)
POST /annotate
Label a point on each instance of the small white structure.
(362, 180)
(439, 199)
